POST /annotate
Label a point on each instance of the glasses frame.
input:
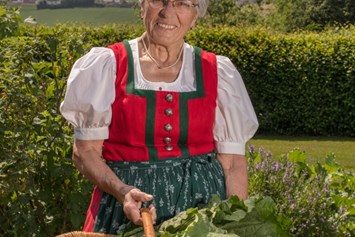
(166, 2)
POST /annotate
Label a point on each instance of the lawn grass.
(315, 148)
(92, 16)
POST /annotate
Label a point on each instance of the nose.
(168, 7)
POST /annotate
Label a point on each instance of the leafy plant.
(254, 217)
(9, 21)
(309, 196)
(41, 192)
(289, 198)
(36, 141)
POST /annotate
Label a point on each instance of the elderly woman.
(158, 122)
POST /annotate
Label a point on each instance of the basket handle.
(147, 222)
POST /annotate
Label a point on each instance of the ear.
(141, 12)
(193, 24)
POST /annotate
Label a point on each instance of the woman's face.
(167, 25)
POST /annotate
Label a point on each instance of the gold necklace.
(155, 61)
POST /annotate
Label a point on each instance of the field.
(94, 16)
(315, 148)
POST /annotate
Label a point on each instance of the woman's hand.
(132, 203)
(87, 158)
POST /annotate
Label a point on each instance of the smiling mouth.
(165, 26)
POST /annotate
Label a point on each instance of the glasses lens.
(182, 4)
(156, 3)
(179, 5)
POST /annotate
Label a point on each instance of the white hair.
(202, 7)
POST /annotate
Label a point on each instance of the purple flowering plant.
(311, 200)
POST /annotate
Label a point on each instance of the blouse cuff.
(91, 133)
(230, 148)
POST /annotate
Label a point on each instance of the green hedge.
(41, 192)
(298, 84)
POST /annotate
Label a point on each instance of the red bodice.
(151, 125)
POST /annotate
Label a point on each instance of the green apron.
(176, 184)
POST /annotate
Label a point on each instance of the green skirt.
(176, 184)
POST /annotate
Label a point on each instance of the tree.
(231, 12)
(334, 11)
(221, 12)
(312, 14)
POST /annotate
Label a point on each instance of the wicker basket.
(84, 234)
(147, 225)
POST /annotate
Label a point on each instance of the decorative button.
(168, 112)
(169, 148)
(169, 97)
(168, 127)
(167, 140)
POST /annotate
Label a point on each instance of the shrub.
(42, 193)
(43, 189)
(9, 21)
(298, 83)
(311, 197)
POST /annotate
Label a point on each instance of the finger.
(138, 195)
(132, 204)
(136, 219)
(153, 212)
(131, 209)
(133, 214)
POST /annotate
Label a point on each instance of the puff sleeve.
(235, 121)
(90, 93)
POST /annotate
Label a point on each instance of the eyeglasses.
(179, 5)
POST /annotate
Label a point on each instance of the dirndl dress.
(160, 138)
(173, 160)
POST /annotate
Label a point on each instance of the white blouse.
(91, 92)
